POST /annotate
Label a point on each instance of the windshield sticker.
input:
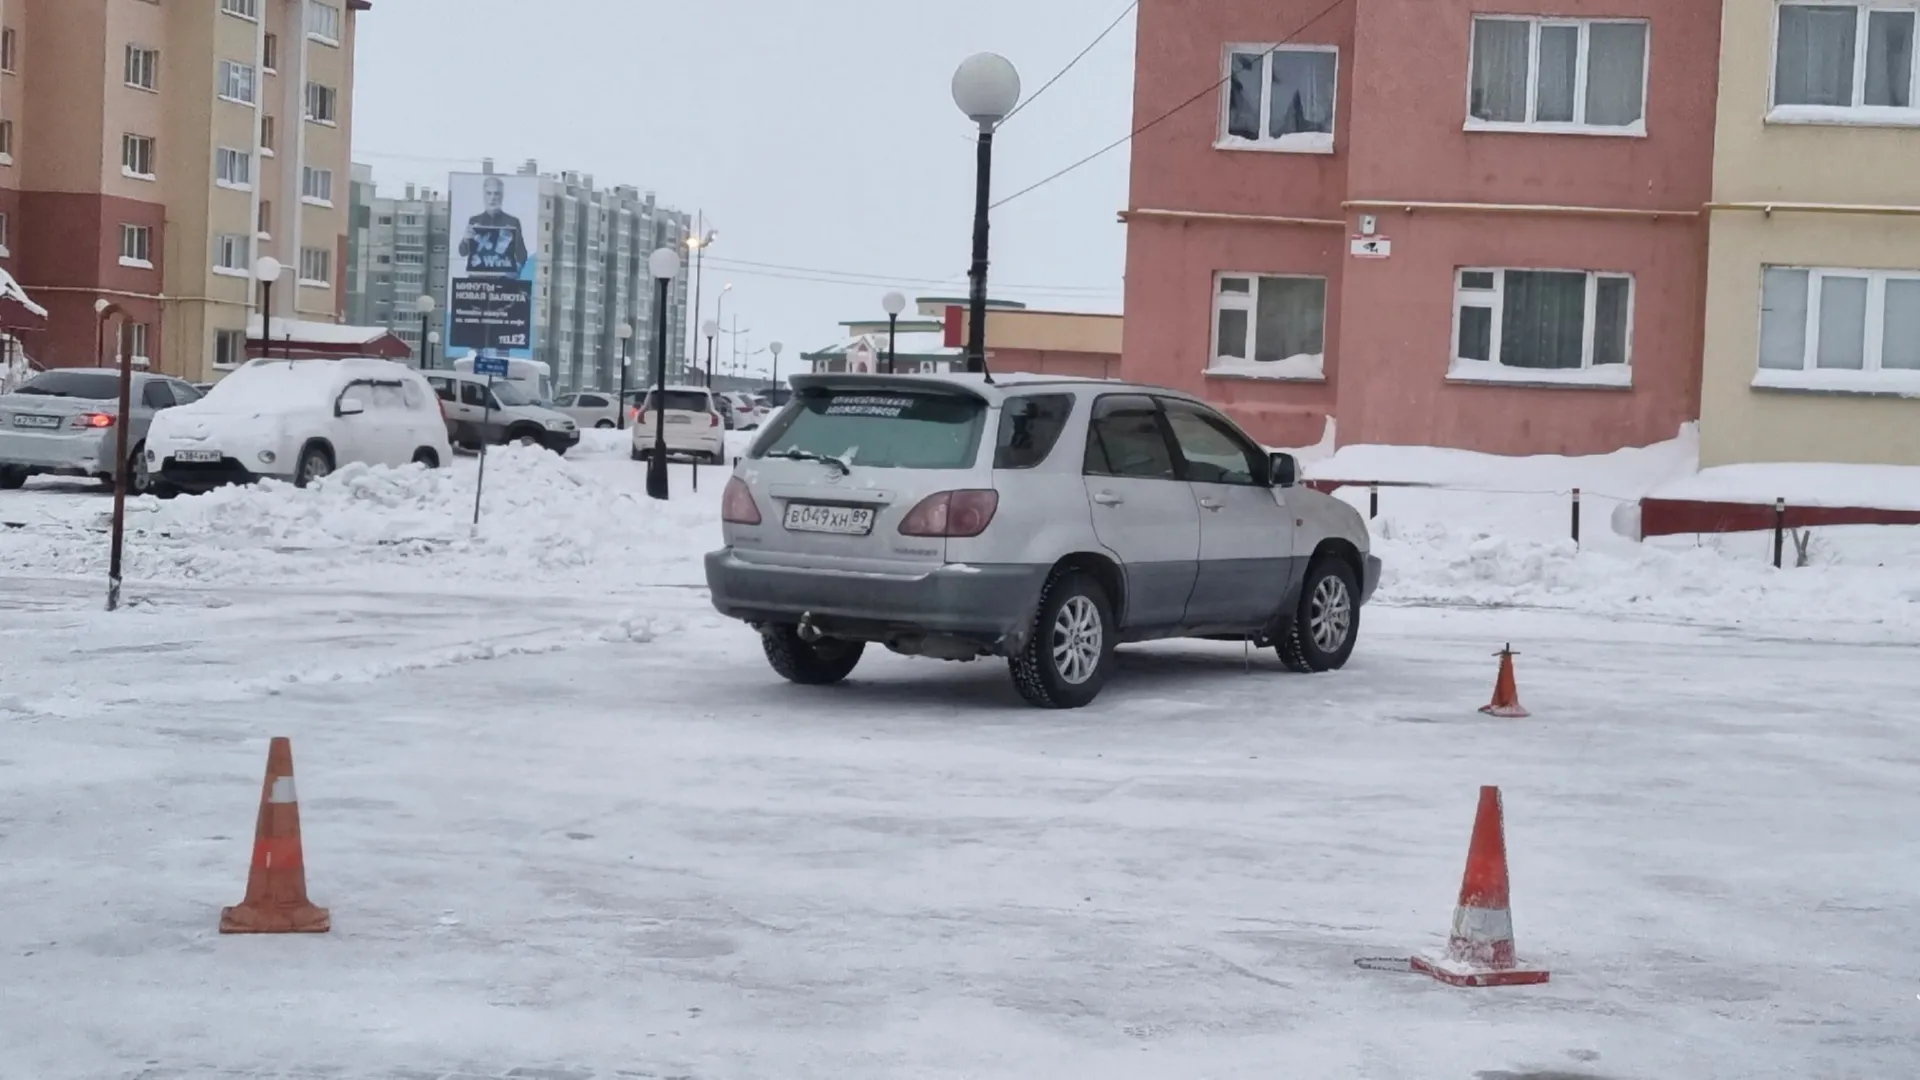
(869, 405)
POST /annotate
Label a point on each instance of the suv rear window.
(679, 401)
(880, 428)
(1029, 426)
(92, 385)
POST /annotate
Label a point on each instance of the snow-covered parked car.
(1045, 521)
(298, 420)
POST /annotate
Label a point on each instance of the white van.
(534, 377)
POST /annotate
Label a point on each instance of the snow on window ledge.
(1303, 367)
(1637, 130)
(1844, 115)
(1603, 377)
(229, 185)
(311, 283)
(231, 271)
(1887, 383)
(137, 264)
(131, 175)
(6, 159)
(5, 253)
(1300, 142)
(311, 201)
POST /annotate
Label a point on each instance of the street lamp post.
(697, 245)
(104, 309)
(894, 303)
(711, 329)
(774, 347)
(266, 270)
(665, 265)
(625, 334)
(986, 87)
(433, 341)
(719, 319)
(424, 306)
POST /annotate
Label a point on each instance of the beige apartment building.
(151, 152)
(1813, 293)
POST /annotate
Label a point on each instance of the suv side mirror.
(1284, 470)
(350, 406)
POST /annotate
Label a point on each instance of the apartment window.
(229, 348)
(386, 219)
(4, 252)
(265, 225)
(316, 185)
(1839, 329)
(1269, 326)
(230, 252)
(143, 68)
(233, 168)
(316, 266)
(6, 142)
(1280, 98)
(136, 246)
(322, 104)
(266, 135)
(237, 82)
(323, 23)
(1559, 75)
(246, 9)
(1844, 60)
(137, 343)
(9, 50)
(409, 258)
(1534, 325)
(384, 260)
(270, 52)
(136, 156)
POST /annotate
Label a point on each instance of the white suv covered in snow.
(298, 420)
(1045, 521)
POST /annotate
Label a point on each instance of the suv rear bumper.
(990, 605)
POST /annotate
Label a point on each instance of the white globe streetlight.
(625, 334)
(425, 306)
(266, 270)
(987, 88)
(893, 304)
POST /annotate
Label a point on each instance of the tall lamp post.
(697, 245)
(433, 342)
(986, 87)
(424, 306)
(711, 328)
(266, 270)
(665, 265)
(774, 347)
(894, 303)
(625, 334)
(104, 309)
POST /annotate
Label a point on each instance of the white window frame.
(270, 54)
(128, 141)
(235, 68)
(269, 135)
(325, 260)
(1308, 142)
(9, 51)
(327, 96)
(1636, 130)
(1858, 113)
(242, 9)
(1872, 378)
(225, 155)
(6, 142)
(137, 344)
(142, 62)
(307, 175)
(136, 246)
(240, 246)
(4, 251)
(1491, 370)
(1249, 302)
(317, 11)
(229, 335)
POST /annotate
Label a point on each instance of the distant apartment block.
(396, 253)
(151, 152)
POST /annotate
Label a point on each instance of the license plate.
(36, 421)
(678, 420)
(845, 520)
(196, 455)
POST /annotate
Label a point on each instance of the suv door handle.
(1107, 498)
(1212, 504)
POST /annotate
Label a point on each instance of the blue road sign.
(490, 365)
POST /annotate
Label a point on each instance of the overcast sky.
(818, 134)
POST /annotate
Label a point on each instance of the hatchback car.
(749, 412)
(694, 427)
(1045, 521)
(297, 420)
(590, 409)
(63, 423)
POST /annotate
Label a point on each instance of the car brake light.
(737, 506)
(713, 419)
(93, 420)
(952, 513)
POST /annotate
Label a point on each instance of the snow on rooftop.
(318, 333)
(1884, 487)
(11, 290)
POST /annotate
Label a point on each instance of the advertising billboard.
(491, 268)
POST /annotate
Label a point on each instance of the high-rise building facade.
(396, 253)
(151, 152)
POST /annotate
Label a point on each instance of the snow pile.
(1623, 474)
(1886, 487)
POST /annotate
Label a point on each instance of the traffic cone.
(1480, 949)
(1506, 693)
(276, 900)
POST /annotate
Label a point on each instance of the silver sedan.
(62, 423)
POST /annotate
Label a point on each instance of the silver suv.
(1043, 520)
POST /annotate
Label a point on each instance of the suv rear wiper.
(808, 455)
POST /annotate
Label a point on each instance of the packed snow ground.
(567, 820)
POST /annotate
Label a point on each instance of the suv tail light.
(737, 506)
(713, 419)
(93, 420)
(952, 513)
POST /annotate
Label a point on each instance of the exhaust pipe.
(808, 632)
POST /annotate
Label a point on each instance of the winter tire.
(604, 425)
(1070, 652)
(1322, 633)
(315, 463)
(425, 456)
(12, 479)
(817, 663)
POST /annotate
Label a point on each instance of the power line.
(854, 277)
(1071, 64)
(1029, 290)
(1156, 121)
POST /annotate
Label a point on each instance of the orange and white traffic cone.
(1506, 692)
(1480, 949)
(276, 900)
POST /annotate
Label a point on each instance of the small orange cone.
(1480, 949)
(276, 900)
(1506, 693)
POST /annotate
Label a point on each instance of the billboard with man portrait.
(492, 266)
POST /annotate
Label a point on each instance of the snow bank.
(1886, 487)
(1625, 474)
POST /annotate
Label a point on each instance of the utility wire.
(852, 277)
(1169, 114)
(1071, 64)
